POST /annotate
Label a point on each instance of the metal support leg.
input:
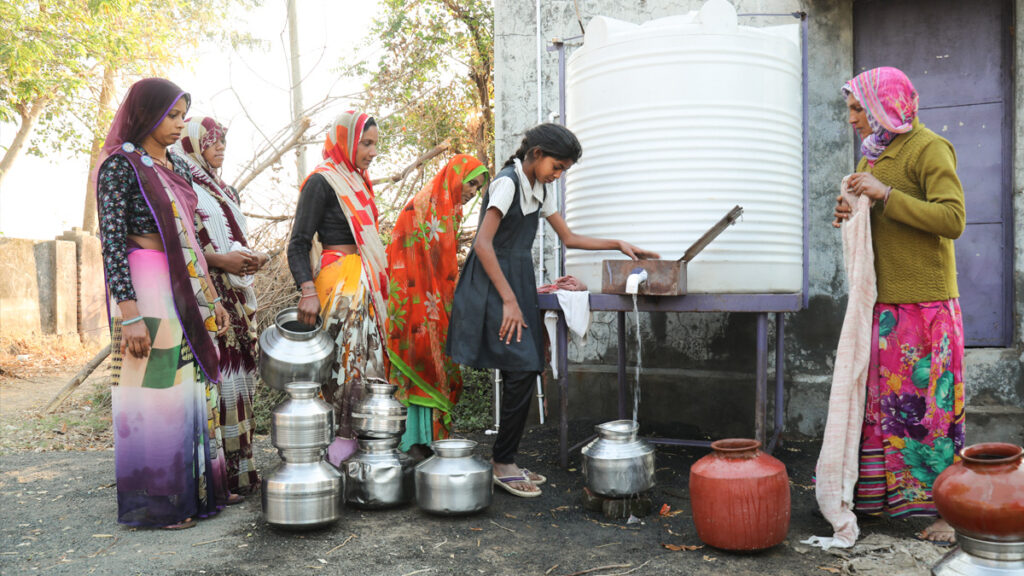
(563, 391)
(621, 324)
(780, 373)
(497, 404)
(761, 390)
(540, 398)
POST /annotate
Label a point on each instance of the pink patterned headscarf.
(891, 104)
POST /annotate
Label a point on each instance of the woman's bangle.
(307, 295)
(132, 321)
(885, 199)
(217, 299)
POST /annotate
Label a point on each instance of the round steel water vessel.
(291, 351)
(454, 481)
(379, 475)
(617, 463)
(379, 414)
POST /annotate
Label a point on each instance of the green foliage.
(432, 81)
(55, 51)
(475, 408)
(263, 404)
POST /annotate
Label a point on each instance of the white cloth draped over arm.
(838, 463)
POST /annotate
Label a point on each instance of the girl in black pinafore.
(495, 321)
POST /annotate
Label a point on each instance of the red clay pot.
(982, 496)
(740, 496)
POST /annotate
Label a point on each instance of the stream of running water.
(636, 382)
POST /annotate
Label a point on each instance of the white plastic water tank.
(681, 119)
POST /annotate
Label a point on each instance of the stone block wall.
(91, 290)
(57, 280)
(53, 287)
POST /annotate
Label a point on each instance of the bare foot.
(537, 479)
(507, 470)
(939, 532)
(183, 525)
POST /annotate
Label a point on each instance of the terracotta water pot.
(982, 496)
(740, 496)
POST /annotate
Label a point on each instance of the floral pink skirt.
(914, 407)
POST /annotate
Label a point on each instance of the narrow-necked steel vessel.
(291, 351)
(454, 481)
(379, 475)
(379, 414)
(618, 463)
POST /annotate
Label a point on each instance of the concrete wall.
(53, 287)
(19, 288)
(57, 278)
(93, 323)
(699, 368)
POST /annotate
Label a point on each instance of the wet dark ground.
(58, 514)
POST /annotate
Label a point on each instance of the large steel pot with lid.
(454, 481)
(618, 463)
(379, 475)
(291, 351)
(379, 414)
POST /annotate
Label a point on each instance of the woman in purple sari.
(165, 315)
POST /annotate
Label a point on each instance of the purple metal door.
(958, 55)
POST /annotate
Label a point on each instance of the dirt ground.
(58, 516)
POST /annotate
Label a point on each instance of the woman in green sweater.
(914, 407)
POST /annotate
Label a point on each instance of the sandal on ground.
(533, 477)
(235, 499)
(505, 482)
(183, 525)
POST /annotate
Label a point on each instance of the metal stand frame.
(760, 304)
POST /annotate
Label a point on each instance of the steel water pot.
(379, 414)
(618, 463)
(291, 351)
(303, 492)
(454, 481)
(303, 421)
(379, 475)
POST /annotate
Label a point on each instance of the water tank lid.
(718, 17)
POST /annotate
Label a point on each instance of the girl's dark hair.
(552, 140)
(370, 123)
(150, 100)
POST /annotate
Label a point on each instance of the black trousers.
(516, 392)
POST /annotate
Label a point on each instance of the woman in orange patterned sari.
(423, 269)
(348, 292)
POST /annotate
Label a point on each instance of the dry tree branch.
(266, 217)
(279, 151)
(417, 163)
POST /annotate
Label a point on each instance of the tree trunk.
(90, 222)
(29, 115)
(295, 75)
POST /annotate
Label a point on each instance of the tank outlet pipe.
(635, 279)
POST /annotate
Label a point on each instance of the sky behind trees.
(244, 88)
